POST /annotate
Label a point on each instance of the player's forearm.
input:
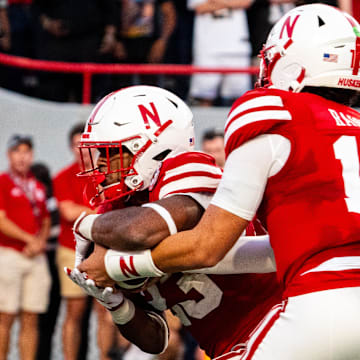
(139, 228)
(146, 332)
(250, 254)
(184, 251)
(202, 247)
(128, 229)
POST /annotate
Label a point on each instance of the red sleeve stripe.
(254, 117)
(193, 174)
(261, 101)
(250, 111)
(190, 184)
(189, 168)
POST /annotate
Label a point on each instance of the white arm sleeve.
(246, 172)
(250, 254)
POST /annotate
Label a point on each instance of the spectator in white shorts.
(221, 39)
(24, 229)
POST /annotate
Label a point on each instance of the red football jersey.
(184, 173)
(26, 211)
(311, 208)
(68, 186)
(356, 9)
(219, 310)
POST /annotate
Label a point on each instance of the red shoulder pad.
(255, 113)
(186, 172)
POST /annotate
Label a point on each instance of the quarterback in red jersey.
(179, 190)
(293, 156)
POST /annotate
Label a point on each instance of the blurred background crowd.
(213, 33)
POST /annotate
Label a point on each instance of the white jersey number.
(211, 293)
(346, 151)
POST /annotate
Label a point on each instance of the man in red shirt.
(24, 229)
(69, 192)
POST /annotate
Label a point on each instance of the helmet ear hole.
(162, 155)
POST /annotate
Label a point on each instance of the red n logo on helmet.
(152, 114)
(289, 27)
(128, 269)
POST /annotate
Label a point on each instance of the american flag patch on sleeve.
(330, 57)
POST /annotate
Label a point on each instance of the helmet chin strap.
(111, 193)
(94, 197)
(91, 195)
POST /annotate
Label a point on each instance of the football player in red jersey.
(293, 157)
(157, 154)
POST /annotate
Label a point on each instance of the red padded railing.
(89, 69)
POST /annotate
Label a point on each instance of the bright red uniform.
(356, 9)
(311, 208)
(26, 210)
(219, 310)
(68, 187)
(189, 172)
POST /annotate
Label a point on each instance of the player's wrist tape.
(86, 225)
(124, 313)
(165, 215)
(122, 266)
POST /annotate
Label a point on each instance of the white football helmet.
(149, 122)
(312, 45)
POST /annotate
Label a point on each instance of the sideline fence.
(89, 69)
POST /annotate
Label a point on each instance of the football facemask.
(139, 126)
